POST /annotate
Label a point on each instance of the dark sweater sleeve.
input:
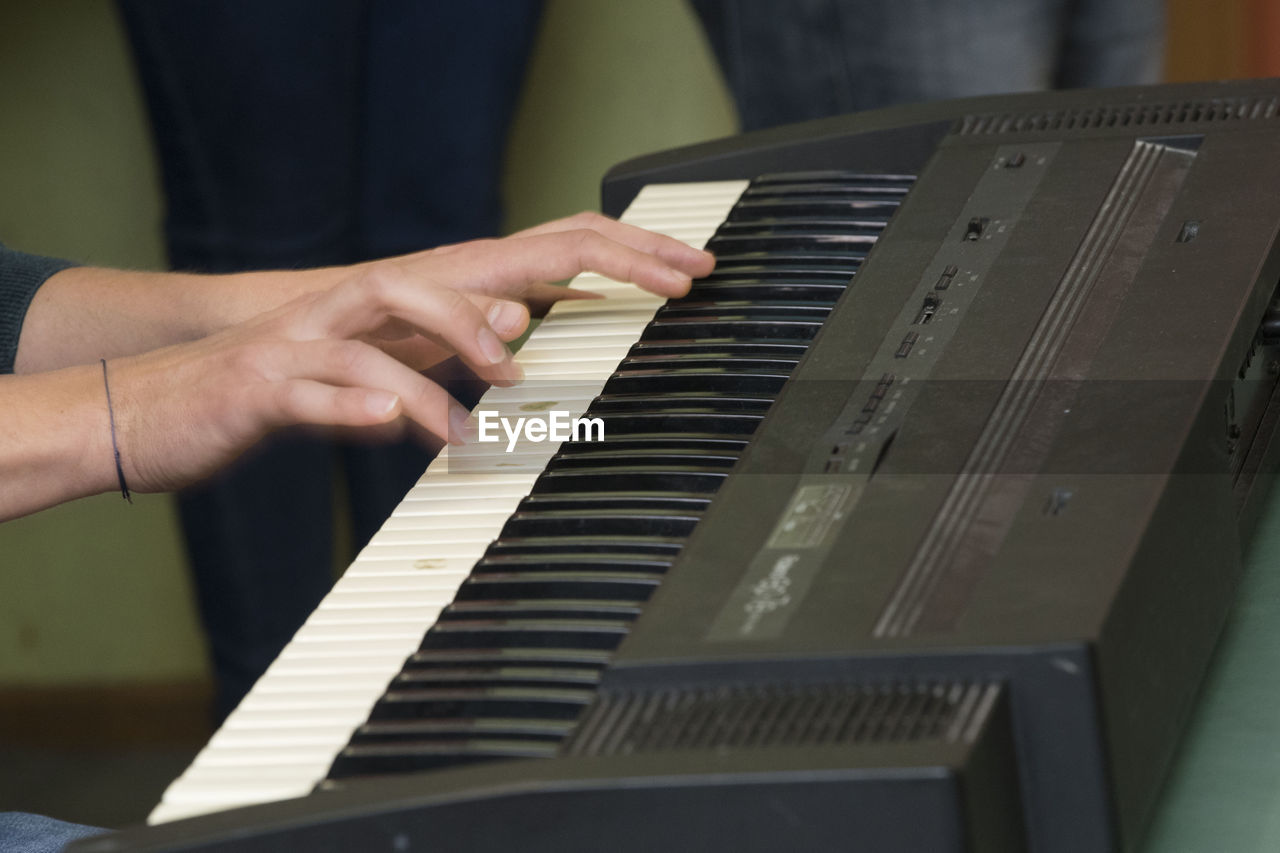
(20, 277)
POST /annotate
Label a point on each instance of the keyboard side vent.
(633, 722)
(1155, 115)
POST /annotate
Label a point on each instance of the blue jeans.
(806, 59)
(29, 833)
(301, 133)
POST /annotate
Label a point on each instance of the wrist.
(58, 443)
(232, 299)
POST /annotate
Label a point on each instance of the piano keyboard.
(550, 551)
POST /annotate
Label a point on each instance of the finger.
(540, 297)
(306, 401)
(375, 378)
(694, 262)
(363, 304)
(505, 316)
(509, 319)
(515, 264)
(416, 352)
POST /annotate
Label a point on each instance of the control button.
(904, 348)
(944, 280)
(974, 229)
(1015, 161)
(927, 310)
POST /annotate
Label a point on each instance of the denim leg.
(254, 109)
(29, 833)
(302, 133)
(814, 58)
(1112, 43)
(442, 83)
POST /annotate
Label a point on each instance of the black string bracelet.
(115, 446)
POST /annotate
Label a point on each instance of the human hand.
(348, 355)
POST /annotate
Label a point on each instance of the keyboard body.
(961, 585)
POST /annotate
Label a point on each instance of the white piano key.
(283, 737)
(540, 356)
(373, 558)
(272, 775)
(302, 683)
(430, 518)
(408, 568)
(321, 630)
(288, 719)
(413, 509)
(413, 609)
(260, 700)
(259, 756)
(240, 738)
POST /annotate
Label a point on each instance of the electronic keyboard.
(912, 527)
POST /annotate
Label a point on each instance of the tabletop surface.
(1224, 791)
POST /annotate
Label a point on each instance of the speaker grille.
(627, 722)
(1122, 115)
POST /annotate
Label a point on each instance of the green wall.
(97, 591)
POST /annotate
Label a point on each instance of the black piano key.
(710, 347)
(677, 380)
(779, 327)
(725, 360)
(640, 547)
(851, 205)
(443, 658)
(792, 288)
(634, 478)
(560, 581)
(783, 262)
(817, 228)
(678, 424)
(633, 522)
(722, 309)
(391, 731)
(449, 701)
(835, 178)
(680, 403)
(413, 757)
(626, 561)
(663, 458)
(730, 444)
(526, 633)
(541, 608)
(497, 676)
(836, 244)
(617, 500)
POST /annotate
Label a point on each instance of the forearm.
(55, 439)
(202, 367)
(85, 313)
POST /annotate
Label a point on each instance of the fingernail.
(678, 278)
(504, 316)
(380, 403)
(459, 425)
(513, 374)
(491, 346)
